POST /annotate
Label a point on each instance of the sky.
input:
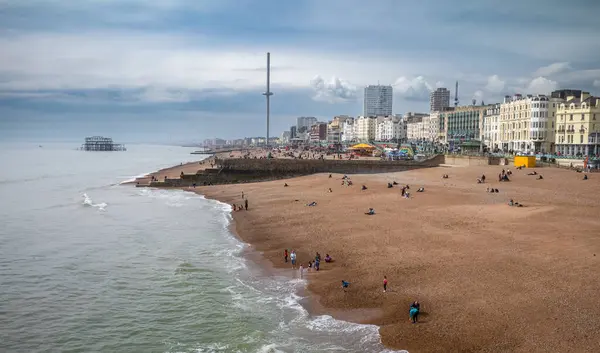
(186, 70)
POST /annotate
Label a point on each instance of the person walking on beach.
(413, 314)
(246, 204)
(293, 258)
(385, 283)
(285, 255)
(242, 195)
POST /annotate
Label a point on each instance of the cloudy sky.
(182, 70)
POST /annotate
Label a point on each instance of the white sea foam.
(87, 201)
(132, 179)
(277, 297)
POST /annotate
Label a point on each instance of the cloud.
(333, 91)
(597, 83)
(553, 69)
(439, 84)
(412, 89)
(495, 84)
(541, 85)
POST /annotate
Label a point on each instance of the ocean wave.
(275, 297)
(87, 201)
(132, 179)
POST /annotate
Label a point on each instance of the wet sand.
(490, 278)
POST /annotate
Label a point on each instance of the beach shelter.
(362, 146)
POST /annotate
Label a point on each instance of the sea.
(91, 264)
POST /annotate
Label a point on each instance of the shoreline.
(309, 300)
(453, 244)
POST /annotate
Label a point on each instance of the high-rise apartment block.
(439, 99)
(304, 123)
(378, 101)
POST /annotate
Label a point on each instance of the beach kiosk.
(526, 161)
(363, 149)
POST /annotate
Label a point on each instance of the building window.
(581, 139)
(582, 116)
(571, 117)
(594, 116)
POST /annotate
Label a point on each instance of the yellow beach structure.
(525, 161)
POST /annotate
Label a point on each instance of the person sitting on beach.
(483, 178)
(349, 182)
(328, 258)
(479, 181)
(540, 177)
(421, 189)
(390, 185)
(445, 176)
(310, 265)
(407, 195)
(345, 285)
(371, 212)
(329, 176)
(496, 191)
(311, 204)
(329, 190)
(285, 185)
(364, 187)
(585, 177)
(515, 204)
(532, 173)
(508, 172)
(395, 183)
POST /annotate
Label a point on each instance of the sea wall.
(310, 166)
(228, 171)
(463, 160)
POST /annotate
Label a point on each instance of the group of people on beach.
(241, 207)
(311, 265)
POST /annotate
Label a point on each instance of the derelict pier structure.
(103, 144)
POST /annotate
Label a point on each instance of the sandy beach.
(489, 277)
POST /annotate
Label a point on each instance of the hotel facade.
(578, 126)
(527, 123)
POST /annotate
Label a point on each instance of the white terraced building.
(389, 128)
(527, 123)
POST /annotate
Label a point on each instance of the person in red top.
(285, 254)
(385, 282)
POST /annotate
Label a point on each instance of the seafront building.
(439, 99)
(318, 132)
(303, 123)
(491, 131)
(378, 100)
(578, 126)
(348, 129)
(389, 128)
(463, 125)
(417, 126)
(527, 123)
(366, 127)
